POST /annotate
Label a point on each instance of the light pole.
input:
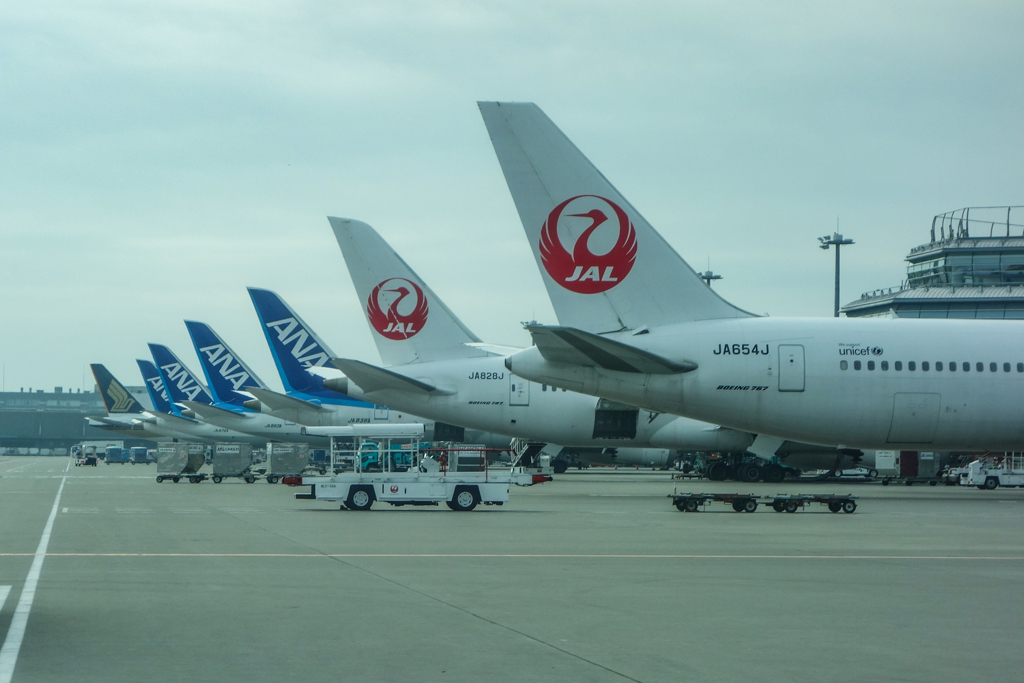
(837, 240)
(707, 276)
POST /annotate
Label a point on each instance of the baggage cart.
(181, 461)
(232, 460)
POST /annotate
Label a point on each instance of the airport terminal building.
(972, 267)
(38, 422)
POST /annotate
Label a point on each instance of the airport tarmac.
(591, 577)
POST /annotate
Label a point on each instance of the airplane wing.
(278, 401)
(212, 411)
(370, 378)
(575, 347)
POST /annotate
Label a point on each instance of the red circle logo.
(584, 271)
(394, 489)
(397, 308)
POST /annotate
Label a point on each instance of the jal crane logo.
(397, 308)
(584, 271)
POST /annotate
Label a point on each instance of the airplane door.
(791, 367)
(915, 418)
(380, 412)
(518, 391)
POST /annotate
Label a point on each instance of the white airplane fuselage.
(484, 395)
(749, 377)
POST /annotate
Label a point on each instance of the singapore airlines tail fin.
(604, 266)
(181, 383)
(116, 399)
(155, 386)
(226, 373)
(409, 323)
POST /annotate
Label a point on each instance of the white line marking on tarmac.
(534, 556)
(16, 631)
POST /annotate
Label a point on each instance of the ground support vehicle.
(139, 455)
(992, 471)
(748, 502)
(400, 474)
(692, 502)
(232, 460)
(286, 460)
(791, 503)
(179, 461)
(86, 460)
(116, 454)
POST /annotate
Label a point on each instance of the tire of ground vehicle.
(271, 478)
(159, 479)
(681, 506)
(774, 474)
(778, 506)
(750, 472)
(750, 505)
(737, 506)
(559, 466)
(360, 498)
(835, 507)
(175, 479)
(465, 498)
(194, 480)
(791, 506)
(718, 471)
(691, 505)
(217, 479)
(933, 482)
(849, 506)
(249, 479)
(872, 473)
(991, 483)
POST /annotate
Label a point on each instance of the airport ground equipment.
(910, 481)
(116, 454)
(286, 460)
(140, 455)
(692, 502)
(232, 460)
(179, 461)
(748, 502)
(992, 471)
(393, 469)
(835, 502)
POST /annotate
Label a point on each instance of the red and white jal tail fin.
(409, 323)
(604, 266)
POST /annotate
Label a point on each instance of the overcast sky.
(156, 158)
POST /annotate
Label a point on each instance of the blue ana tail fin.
(180, 382)
(155, 386)
(225, 372)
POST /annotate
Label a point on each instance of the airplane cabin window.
(871, 365)
(967, 367)
(898, 365)
(924, 366)
(938, 366)
(952, 367)
(911, 365)
(1006, 367)
(856, 365)
(885, 365)
(992, 367)
(543, 387)
(843, 365)
(980, 367)
(1020, 367)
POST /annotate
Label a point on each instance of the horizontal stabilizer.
(366, 430)
(370, 378)
(207, 410)
(278, 401)
(576, 347)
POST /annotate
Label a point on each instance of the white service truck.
(391, 468)
(992, 471)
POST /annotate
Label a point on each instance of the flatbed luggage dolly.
(834, 501)
(692, 502)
